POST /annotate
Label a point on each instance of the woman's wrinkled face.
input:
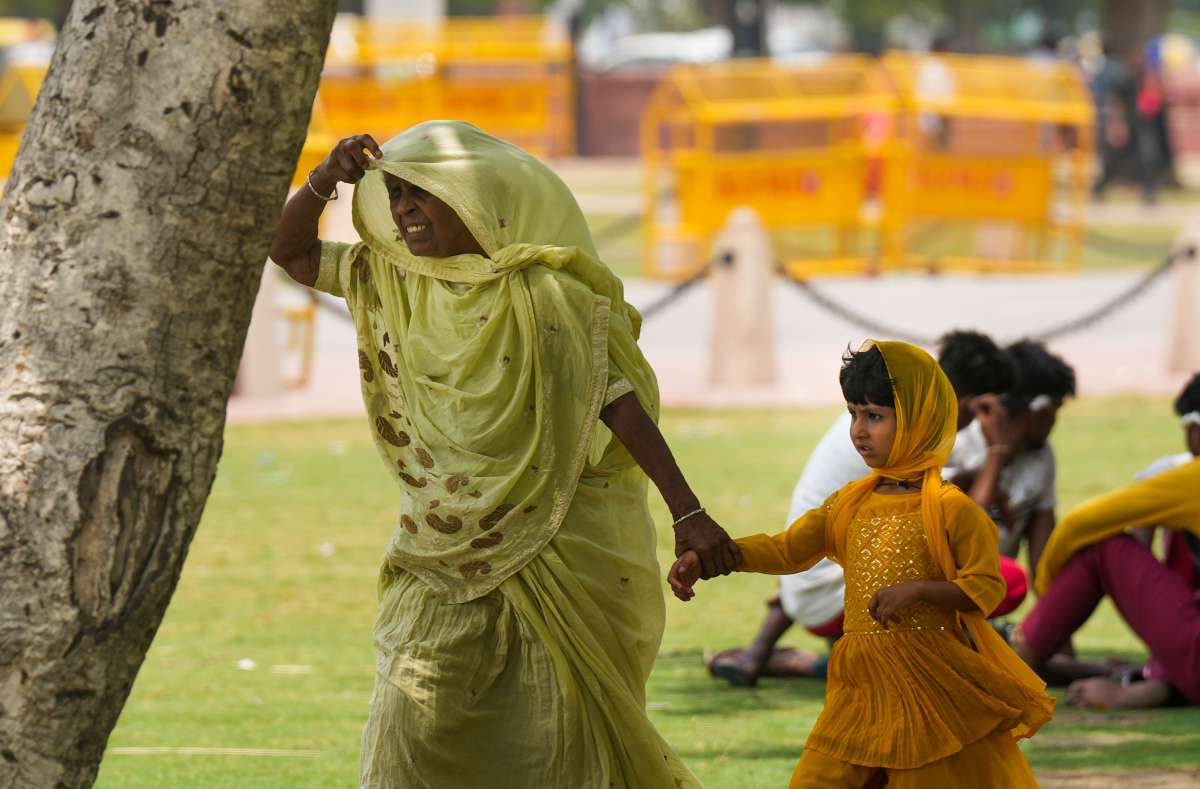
(429, 227)
(872, 430)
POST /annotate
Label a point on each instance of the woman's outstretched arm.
(697, 531)
(296, 247)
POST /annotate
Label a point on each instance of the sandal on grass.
(734, 667)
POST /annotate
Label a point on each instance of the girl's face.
(872, 430)
(429, 227)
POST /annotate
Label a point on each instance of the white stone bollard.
(258, 373)
(1184, 346)
(742, 347)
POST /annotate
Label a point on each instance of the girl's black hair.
(1189, 398)
(864, 378)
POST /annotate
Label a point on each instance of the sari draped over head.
(485, 391)
(520, 598)
(926, 419)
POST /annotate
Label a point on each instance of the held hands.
(684, 574)
(716, 553)
(347, 162)
(889, 601)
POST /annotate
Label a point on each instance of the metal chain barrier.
(1084, 321)
(854, 318)
(873, 327)
(671, 296)
(1089, 319)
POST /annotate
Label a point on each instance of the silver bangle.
(317, 194)
(682, 518)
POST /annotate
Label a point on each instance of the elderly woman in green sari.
(521, 604)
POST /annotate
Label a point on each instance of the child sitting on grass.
(910, 700)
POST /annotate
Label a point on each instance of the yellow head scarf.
(926, 417)
(483, 377)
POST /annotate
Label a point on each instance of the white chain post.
(742, 347)
(1184, 346)
(258, 373)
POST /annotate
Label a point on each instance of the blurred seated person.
(1004, 459)
(1102, 548)
(814, 598)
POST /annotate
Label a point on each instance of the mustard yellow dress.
(914, 701)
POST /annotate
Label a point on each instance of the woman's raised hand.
(347, 162)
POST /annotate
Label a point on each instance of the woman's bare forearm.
(635, 429)
(296, 246)
(695, 530)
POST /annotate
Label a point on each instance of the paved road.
(1126, 353)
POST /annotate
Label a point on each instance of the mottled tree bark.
(133, 231)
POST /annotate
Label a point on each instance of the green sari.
(520, 599)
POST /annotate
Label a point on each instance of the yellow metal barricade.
(792, 141)
(988, 166)
(317, 144)
(18, 91)
(510, 76)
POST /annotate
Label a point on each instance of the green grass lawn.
(282, 571)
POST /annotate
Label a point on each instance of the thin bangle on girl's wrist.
(682, 518)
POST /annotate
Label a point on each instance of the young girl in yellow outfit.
(911, 701)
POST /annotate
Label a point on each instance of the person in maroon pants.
(1094, 553)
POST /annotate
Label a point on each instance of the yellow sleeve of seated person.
(1167, 499)
(799, 547)
(974, 544)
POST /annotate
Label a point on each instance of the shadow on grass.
(783, 751)
(771, 721)
(681, 687)
(1155, 751)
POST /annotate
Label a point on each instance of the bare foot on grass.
(1100, 693)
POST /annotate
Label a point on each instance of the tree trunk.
(1129, 24)
(133, 231)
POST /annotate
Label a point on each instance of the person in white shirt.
(814, 598)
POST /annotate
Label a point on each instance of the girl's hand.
(684, 574)
(347, 162)
(890, 600)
